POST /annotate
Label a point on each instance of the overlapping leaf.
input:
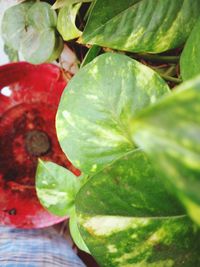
(190, 57)
(170, 133)
(141, 25)
(66, 22)
(63, 3)
(31, 28)
(14, 24)
(134, 221)
(94, 115)
(56, 188)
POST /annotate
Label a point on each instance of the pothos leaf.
(169, 132)
(63, 3)
(94, 115)
(141, 25)
(66, 22)
(91, 54)
(127, 218)
(56, 188)
(190, 58)
(75, 233)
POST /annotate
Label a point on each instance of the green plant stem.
(158, 58)
(169, 78)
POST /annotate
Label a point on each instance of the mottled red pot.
(27, 131)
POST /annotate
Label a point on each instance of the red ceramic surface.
(27, 131)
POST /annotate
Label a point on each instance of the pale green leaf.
(94, 115)
(56, 188)
(14, 24)
(66, 22)
(63, 3)
(30, 28)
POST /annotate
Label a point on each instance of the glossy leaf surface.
(128, 218)
(62, 3)
(56, 188)
(75, 233)
(66, 22)
(169, 132)
(96, 109)
(141, 25)
(190, 57)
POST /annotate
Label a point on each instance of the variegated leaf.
(141, 25)
(127, 218)
(94, 115)
(169, 132)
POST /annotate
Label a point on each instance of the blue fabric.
(35, 248)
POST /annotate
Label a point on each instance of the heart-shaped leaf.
(141, 25)
(127, 218)
(66, 22)
(169, 132)
(96, 109)
(56, 188)
(190, 57)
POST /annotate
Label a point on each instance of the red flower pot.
(29, 97)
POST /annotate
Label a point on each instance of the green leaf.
(75, 233)
(66, 22)
(94, 115)
(135, 221)
(14, 24)
(91, 54)
(40, 41)
(190, 58)
(11, 53)
(141, 25)
(63, 3)
(56, 188)
(31, 29)
(169, 132)
(37, 47)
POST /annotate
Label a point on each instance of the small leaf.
(91, 54)
(56, 188)
(97, 107)
(66, 22)
(141, 25)
(128, 218)
(169, 132)
(190, 57)
(63, 3)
